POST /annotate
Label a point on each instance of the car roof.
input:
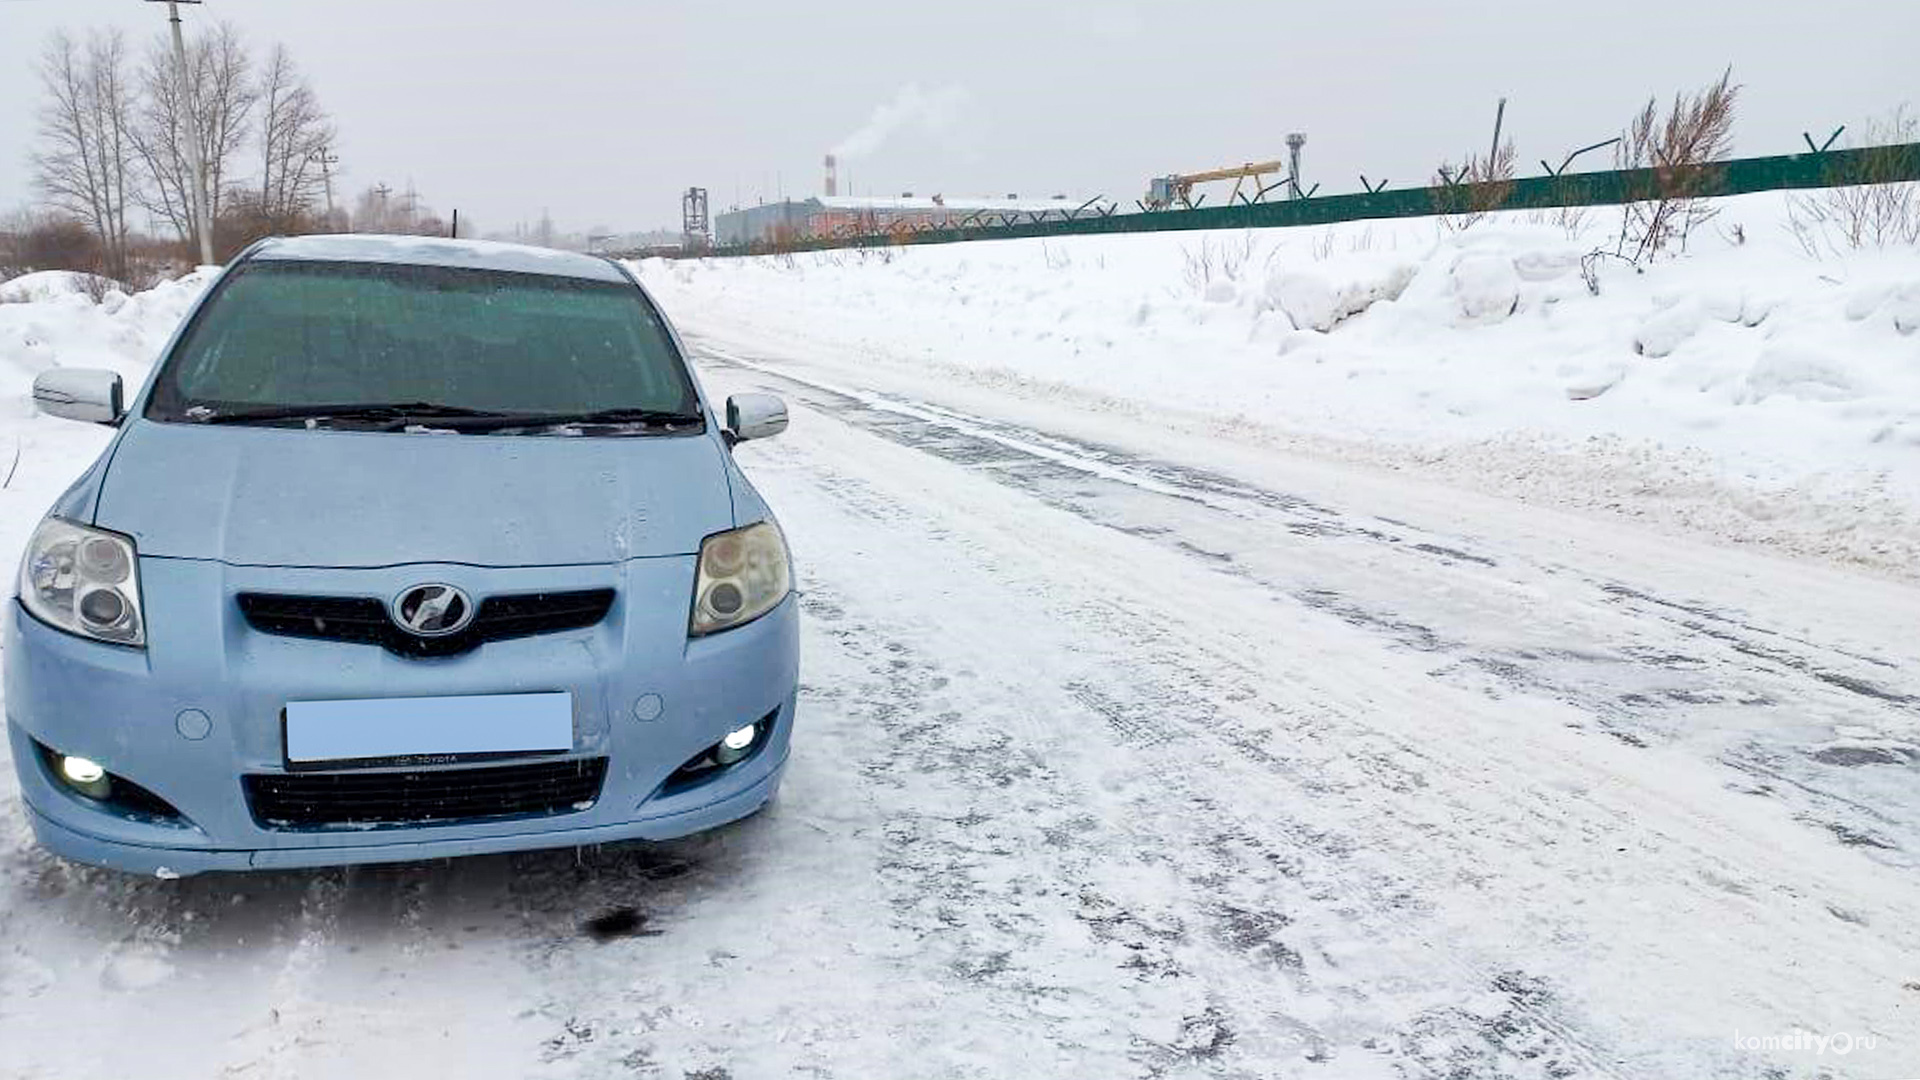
(434, 251)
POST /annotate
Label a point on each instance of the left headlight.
(85, 581)
(743, 574)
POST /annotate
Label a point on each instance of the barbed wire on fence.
(1820, 167)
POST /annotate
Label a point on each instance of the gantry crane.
(1166, 191)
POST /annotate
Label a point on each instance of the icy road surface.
(1125, 754)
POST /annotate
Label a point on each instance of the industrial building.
(836, 215)
(833, 214)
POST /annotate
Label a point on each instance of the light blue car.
(407, 549)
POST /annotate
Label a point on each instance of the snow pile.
(1321, 301)
(1743, 388)
(41, 285)
(47, 321)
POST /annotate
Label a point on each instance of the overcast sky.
(603, 111)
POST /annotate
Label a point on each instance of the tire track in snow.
(1719, 871)
(1249, 926)
(293, 1024)
(1624, 691)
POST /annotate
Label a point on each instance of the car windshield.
(294, 339)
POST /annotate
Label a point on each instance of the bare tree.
(160, 142)
(84, 163)
(294, 136)
(219, 72)
(226, 95)
(1678, 152)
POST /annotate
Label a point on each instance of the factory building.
(835, 215)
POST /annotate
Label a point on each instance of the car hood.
(273, 496)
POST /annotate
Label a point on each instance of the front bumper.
(71, 843)
(645, 697)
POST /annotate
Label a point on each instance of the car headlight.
(743, 574)
(85, 581)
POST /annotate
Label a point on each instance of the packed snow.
(1340, 667)
(1744, 389)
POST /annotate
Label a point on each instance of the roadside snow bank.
(48, 321)
(58, 326)
(41, 285)
(1742, 389)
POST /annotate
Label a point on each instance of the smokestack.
(833, 178)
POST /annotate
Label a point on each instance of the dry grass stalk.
(1881, 211)
(1678, 150)
(1465, 195)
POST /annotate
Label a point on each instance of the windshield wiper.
(592, 418)
(394, 412)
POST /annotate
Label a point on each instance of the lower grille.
(419, 797)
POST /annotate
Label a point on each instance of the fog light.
(85, 776)
(736, 744)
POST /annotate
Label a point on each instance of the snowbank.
(1743, 388)
(47, 320)
(41, 285)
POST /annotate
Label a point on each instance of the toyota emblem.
(434, 610)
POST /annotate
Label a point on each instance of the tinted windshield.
(289, 334)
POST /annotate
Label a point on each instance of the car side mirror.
(88, 394)
(755, 416)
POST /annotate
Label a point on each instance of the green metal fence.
(1817, 169)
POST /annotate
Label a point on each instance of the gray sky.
(604, 110)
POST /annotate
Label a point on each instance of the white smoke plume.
(911, 109)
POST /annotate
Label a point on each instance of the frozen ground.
(1130, 747)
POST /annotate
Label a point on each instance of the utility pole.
(1493, 156)
(195, 156)
(328, 159)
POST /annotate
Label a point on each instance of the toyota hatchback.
(407, 549)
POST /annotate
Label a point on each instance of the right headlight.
(742, 575)
(84, 581)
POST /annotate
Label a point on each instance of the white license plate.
(379, 728)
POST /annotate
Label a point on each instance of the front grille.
(301, 800)
(335, 618)
(364, 620)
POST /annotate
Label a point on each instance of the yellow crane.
(1165, 191)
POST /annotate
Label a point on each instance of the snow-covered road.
(1128, 751)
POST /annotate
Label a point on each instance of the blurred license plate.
(381, 728)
